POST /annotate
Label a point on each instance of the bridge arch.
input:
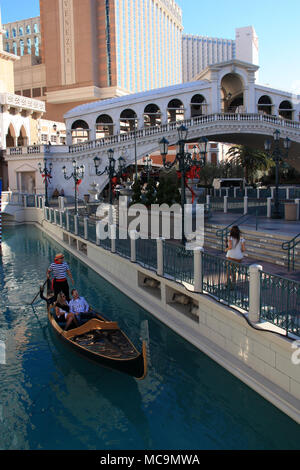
(265, 105)
(232, 86)
(152, 115)
(198, 105)
(104, 126)
(175, 110)
(128, 121)
(285, 109)
(80, 131)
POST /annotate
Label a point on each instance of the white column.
(61, 218)
(68, 221)
(234, 192)
(133, 234)
(113, 236)
(225, 204)
(287, 193)
(269, 207)
(258, 193)
(85, 221)
(245, 205)
(61, 203)
(198, 270)
(272, 193)
(254, 292)
(297, 201)
(208, 200)
(160, 256)
(76, 224)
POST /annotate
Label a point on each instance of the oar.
(38, 293)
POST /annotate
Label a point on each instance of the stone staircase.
(260, 246)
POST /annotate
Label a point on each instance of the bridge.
(224, 104)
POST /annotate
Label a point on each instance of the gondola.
(103, 342)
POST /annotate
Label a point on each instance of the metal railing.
(280, 302)
(290, 248)
(226, 281)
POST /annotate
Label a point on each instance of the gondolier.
(60, 270)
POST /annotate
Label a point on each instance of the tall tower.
(247, 45)
(99, 49)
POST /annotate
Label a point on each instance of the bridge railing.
(268, 297)
(204, 119)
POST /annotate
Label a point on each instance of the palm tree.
(250, 159)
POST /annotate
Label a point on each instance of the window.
(15, 49)
(7, 47)
(7, 34)
(44, 138)
(29, 46)
(21, 47)
(21, 31)
(27, 93)
(28, 29)
(36, 92)
(14, 32)
(35, 28)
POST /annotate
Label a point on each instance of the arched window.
(15, 48)
(175, 111)
(80, 131)
(152, 115)
(35, 28)
(128, 121)
(286, 109)
(14, 32)
(104, 126)
(7, 48)
(7, 34)
(21, 31)
(265, 105)
(198, 105)
(28, 29)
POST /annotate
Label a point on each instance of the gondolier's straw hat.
(59, 256)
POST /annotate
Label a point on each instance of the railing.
(280, 302)
(178, 263)
(204, 119)
(226, 281)
(290, 248)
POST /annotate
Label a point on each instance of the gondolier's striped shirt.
(59, 270)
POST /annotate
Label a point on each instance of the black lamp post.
(110, 170)
(185, 162)
(278, 155)
(148, 166)
(77, 175)
(46, 174)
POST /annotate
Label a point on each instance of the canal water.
(50, 398)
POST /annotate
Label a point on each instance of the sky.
(276, 24)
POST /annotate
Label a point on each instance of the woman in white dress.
(235, 249)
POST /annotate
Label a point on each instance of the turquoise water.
(50, 398)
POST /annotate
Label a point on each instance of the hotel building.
(198, 52)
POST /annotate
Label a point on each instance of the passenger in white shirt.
(78, 305)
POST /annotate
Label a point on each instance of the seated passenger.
(62, 310)
(78, 305)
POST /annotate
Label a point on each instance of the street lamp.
(110, 170)
(185, 162)
(77, 175)
(148, 166)
(47, 175)
(277, 156)
(203, 141)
